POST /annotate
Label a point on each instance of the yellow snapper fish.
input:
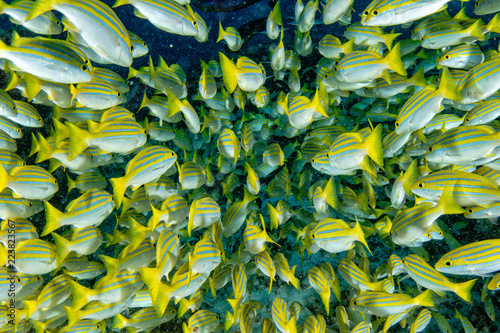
(335, 235)
(203, 213)
(302, 111)
(29, 182)
(282, 318)
(62, 62)
(205, 257)
(318, 280)
(144, 319)
(246, 74)
(234, 217)
(231, 36)
(96, 23)
(96, 94)
(484, 7)
(147, 166)
(428, 277)
(365, 66)
(479, 258)
(45, 24)
(349, 150)
(383, 304)
(392, 12)
(202, 321)
(191, 118)
(255, 239)
(90, 209)
(169, 16)
(119, 136)
(35, 256)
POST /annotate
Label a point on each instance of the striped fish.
(48, 59)
(144, 319)
(147, 166)
(114, 137)
(479, 258)
(319, 282)
(265, 264)
(35, 256)
(255, 239)
(229, 145)
(369, 36)
(96, 23)
(29, 182)
(480, 82)
(202, 321)
(231, 36)
(84, 241)
(421, 322)
(384, 304)
(394, 12)
(90, 209)
(357, 278)
(463, 56)
(191, 118)
(204, 258)
(10, 128)
(483, 112)
(466, 324)
(92, 270)
(469, 189)
(302, 111)
(96, 94)
(448, 37)
(27, 115)
(246, 74)
(94, 311)
(426, 276)
(334, 235)
(284, 321)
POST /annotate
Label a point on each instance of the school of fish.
(382, 148)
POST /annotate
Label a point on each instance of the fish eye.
(58, 22)
(430, 149)
(447, 57)
(55, 181)
(366, 12)
(397, 124)
(421, 185)
(84, 68)
(118, 94)
(194, 23)
(313, 160)
(172, 154)
(448, 263)
(467, 119)
(375, 12)
(86, 61)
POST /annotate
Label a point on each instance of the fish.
(91, 19)
(470, 259)
(246, 74)
(281, 317)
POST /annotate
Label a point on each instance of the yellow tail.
(361, 235)
(331, 193)
(81, 295)
(229, 75)
(44, 150)
(373, 144)
(38, 8)
(222, 33)
(74, 316)
(119, 322)
(425, 299)
(78, 140)
(4, 178)
(448, 204)
(63, 247)
(118, 190)
(448, 86)
(463, 289)
(53, 218)
(394, 62)
(418, 78)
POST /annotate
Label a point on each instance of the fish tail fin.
(35, 146)
(361, 235)
(463, 289)
(331, 193)
(394, 62)
(425, 298)
(325, 297)
(74, 316)
(38, 8)
(44, 150)
(112, 265)
(155, 217)
(132, 72)
(448, 204)
(78, 140)
(118, 190)
(183, 307)
(81, 295)
(33, 86)
(318, 106)
(119, 322)
(190, 270)
(63, 247)
(293, 280)
(494, 24)
(137, 233)
(185, 328)
(374, 145)
(448, 86)
(31, 307)
(410, 177)
(228, 73)
(4, 178)
(120, 3)
(276, 14)
(476, 30)
(348, 46)
(222, 33)
(249, 197)
(163, 298)
(389, 39)
(3, 6)
(71, 183)
(60, 130)
(151, 279)
(418, 78)
(273, 215)
(52, 218)
(145, 101)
